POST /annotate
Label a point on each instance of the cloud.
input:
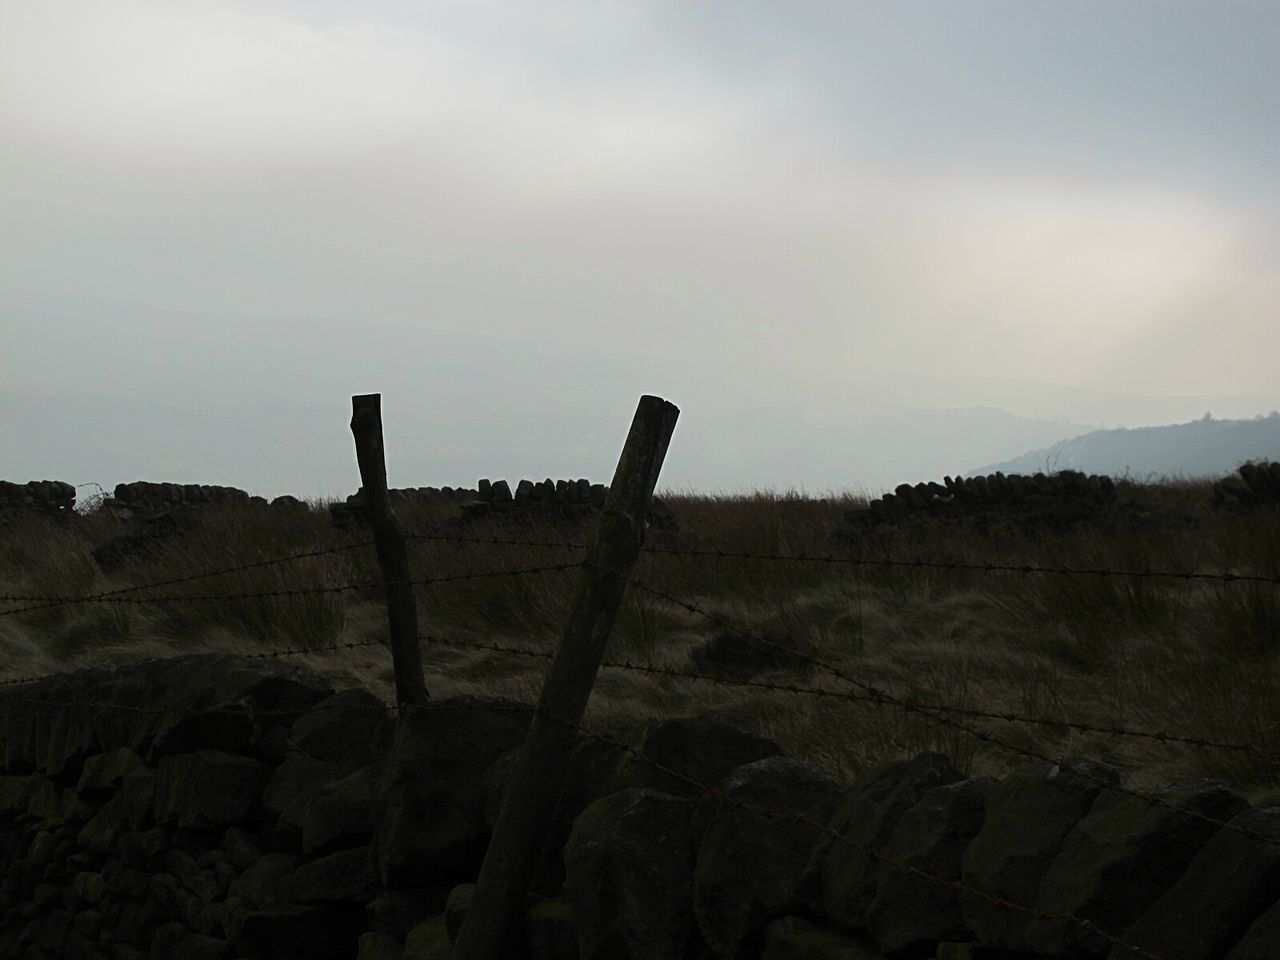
(814, 190)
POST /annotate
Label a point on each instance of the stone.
(428, 941)
(428, 796)
(295, 932)
(379, 946)
(293, 780)
(241, 847)
(205, 701)
(123, 882)
(629, 862)
(1028, 816)
(594, 772)
(456, 907)
(1259, 941)
(1227, 887)
(15, 793)
(797, 938)
(263, 919)
(208, 788)
(840, 882)
(268, 882)
(344, 876)
(332, 815)
(142, 849)
(176, 941)
(200, 882)
(212, 691)
(733, 897)
(550, 930)
(701, 748)
(163, 894)
(88, 923)
(44, 801)
(1120, 858)
(89, 887)
(910, 915)
(398, 912)
(104, 773)
(341, 729)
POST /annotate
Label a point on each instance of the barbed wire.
(776, 686)
(914, 564)
(35, 603)
(62, 601)
(305, 591)
(309, 651)
(932, 713)
(771, 686)
(910, 707)
(983, 567)
(130, 708)
(873, 694)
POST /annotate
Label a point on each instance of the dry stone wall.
(130, 499)
(1038, 500)
(569, 500)
(142, 495)
(217, 807)
(353, 512)
(45, 496)
(143, 501)
(1255, 484)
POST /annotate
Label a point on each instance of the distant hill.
(1201, 448)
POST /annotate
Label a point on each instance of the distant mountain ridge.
(1201, 448)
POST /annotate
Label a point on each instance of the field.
(1197, 658)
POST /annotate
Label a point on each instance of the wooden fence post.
(393, 558)
(492, 920)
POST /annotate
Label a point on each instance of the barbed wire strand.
(874, 693)
(42, 603)
(917, 564)
(306, 591)
(910, 707)
(776, 686)
(771, 686)
(93, 598)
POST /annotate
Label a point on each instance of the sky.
(856, 243)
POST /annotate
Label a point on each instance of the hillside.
(1201, 448)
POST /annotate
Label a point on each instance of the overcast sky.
(856, 243)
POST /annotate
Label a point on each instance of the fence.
(606, 573)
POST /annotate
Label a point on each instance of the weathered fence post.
(393, 558)
(492, 920)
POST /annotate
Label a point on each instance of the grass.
(1192, 658)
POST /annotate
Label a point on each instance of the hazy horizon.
(857, 244)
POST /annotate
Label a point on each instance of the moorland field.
(1192, 658)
